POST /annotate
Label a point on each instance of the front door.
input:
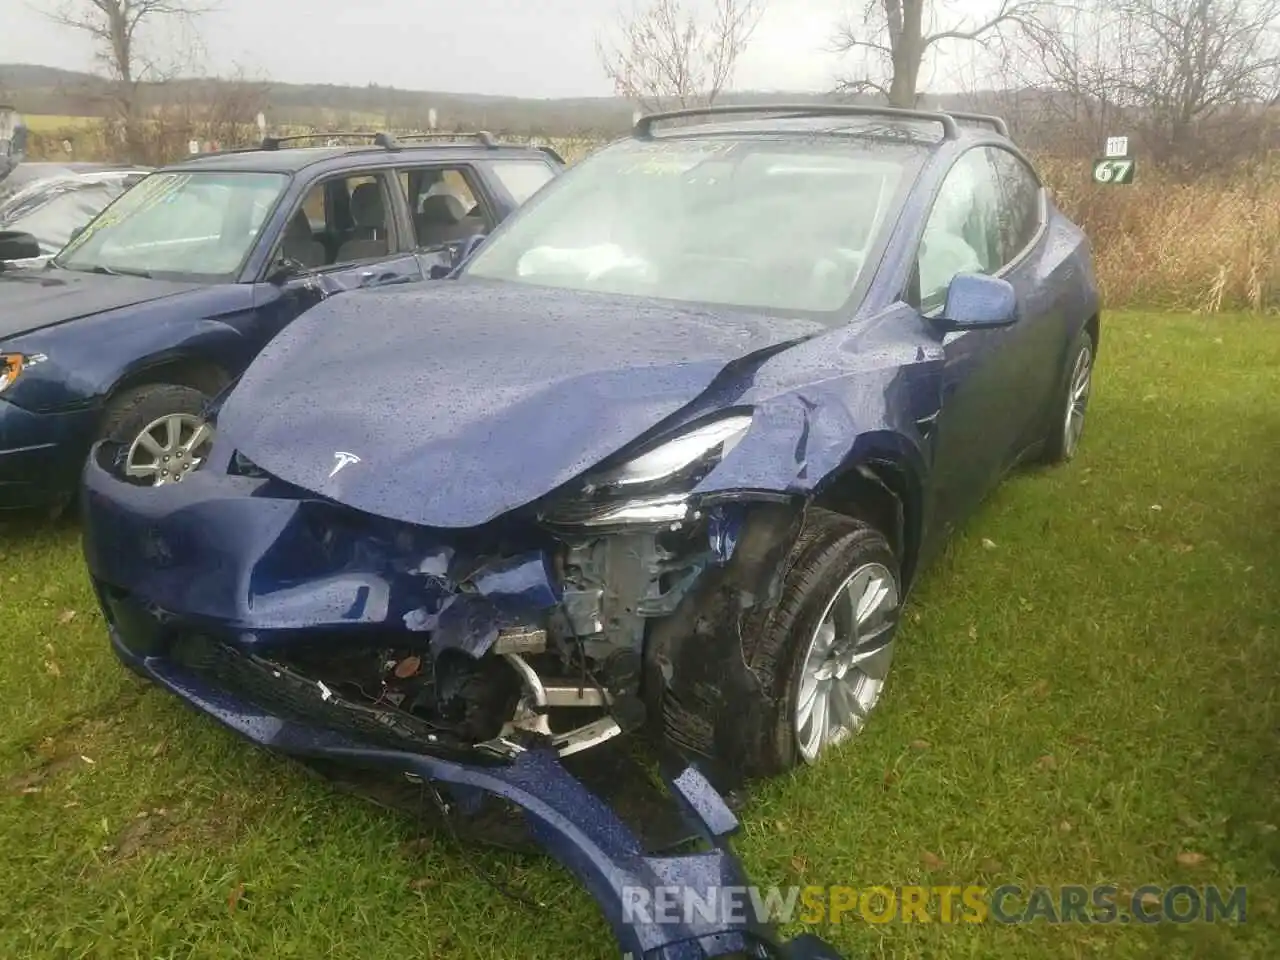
(985, 407)
(343, 236)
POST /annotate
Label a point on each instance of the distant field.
(45, 122)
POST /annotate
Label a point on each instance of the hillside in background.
(48, 90)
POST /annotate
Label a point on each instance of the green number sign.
(1118, 170)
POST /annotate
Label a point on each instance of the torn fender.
(799, 439)
(694, 658)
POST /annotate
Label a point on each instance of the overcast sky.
(536, 48)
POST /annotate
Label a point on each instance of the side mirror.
(459, 253)
(976, 301)
(284, 270)
(16, 245)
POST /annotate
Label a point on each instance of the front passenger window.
(342, 220)
(962, 234)
(1020, 203)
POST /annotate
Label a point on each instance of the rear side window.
(521, 178)
(445, 205)
(1018, 194)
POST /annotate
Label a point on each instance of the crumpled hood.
(463, 400)
(31, 299)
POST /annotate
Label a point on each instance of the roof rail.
(998, 123)
(644, 126)
(482, 136)
(215, 153)
(551, 152)
(378, 139)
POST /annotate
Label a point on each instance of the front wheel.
(823, 653)
(162, 431)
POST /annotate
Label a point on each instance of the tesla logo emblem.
(343, 459)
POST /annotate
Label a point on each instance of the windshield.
(50, 211)
(197, 225)
(774, 225)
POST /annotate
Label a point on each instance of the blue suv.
(166, 296)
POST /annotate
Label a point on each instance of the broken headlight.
(11, 366)
(652, 487)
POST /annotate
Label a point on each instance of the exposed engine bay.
(475, 669)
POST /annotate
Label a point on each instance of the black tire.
(1057, 448)
(129, 413)
(830, 547)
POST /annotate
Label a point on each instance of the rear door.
(448, 205)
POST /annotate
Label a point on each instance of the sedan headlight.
(651, 488)
(11, 365)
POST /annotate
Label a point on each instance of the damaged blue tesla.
(666, 455)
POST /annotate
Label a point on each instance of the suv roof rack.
(484, 137)
(998, 123)
(644, 126)
(551, 152)
(388, 141)
(275, 143)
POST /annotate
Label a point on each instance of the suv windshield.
(199, 225)
(779, 224)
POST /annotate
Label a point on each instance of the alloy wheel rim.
(168, 449)
(1077, 401)
(846, 660)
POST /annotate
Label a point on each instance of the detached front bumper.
(570, 822)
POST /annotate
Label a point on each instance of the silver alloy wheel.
(1077, 402)
(168, 449)
(846, 661)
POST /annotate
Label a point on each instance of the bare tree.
(895, 36)
(1196, 59)
(1191, 78)
(679, 52)
(116, 29)
(1066, 85)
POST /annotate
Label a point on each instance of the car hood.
(31, 299)
(450, 404)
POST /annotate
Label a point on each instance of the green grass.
(1120, 616)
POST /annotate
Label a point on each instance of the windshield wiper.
(118, 272)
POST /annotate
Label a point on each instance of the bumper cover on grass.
(571, 824)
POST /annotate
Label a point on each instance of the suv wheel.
(162, 430)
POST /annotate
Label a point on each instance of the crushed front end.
(478, 659)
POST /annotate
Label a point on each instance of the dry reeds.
(1208, 245)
